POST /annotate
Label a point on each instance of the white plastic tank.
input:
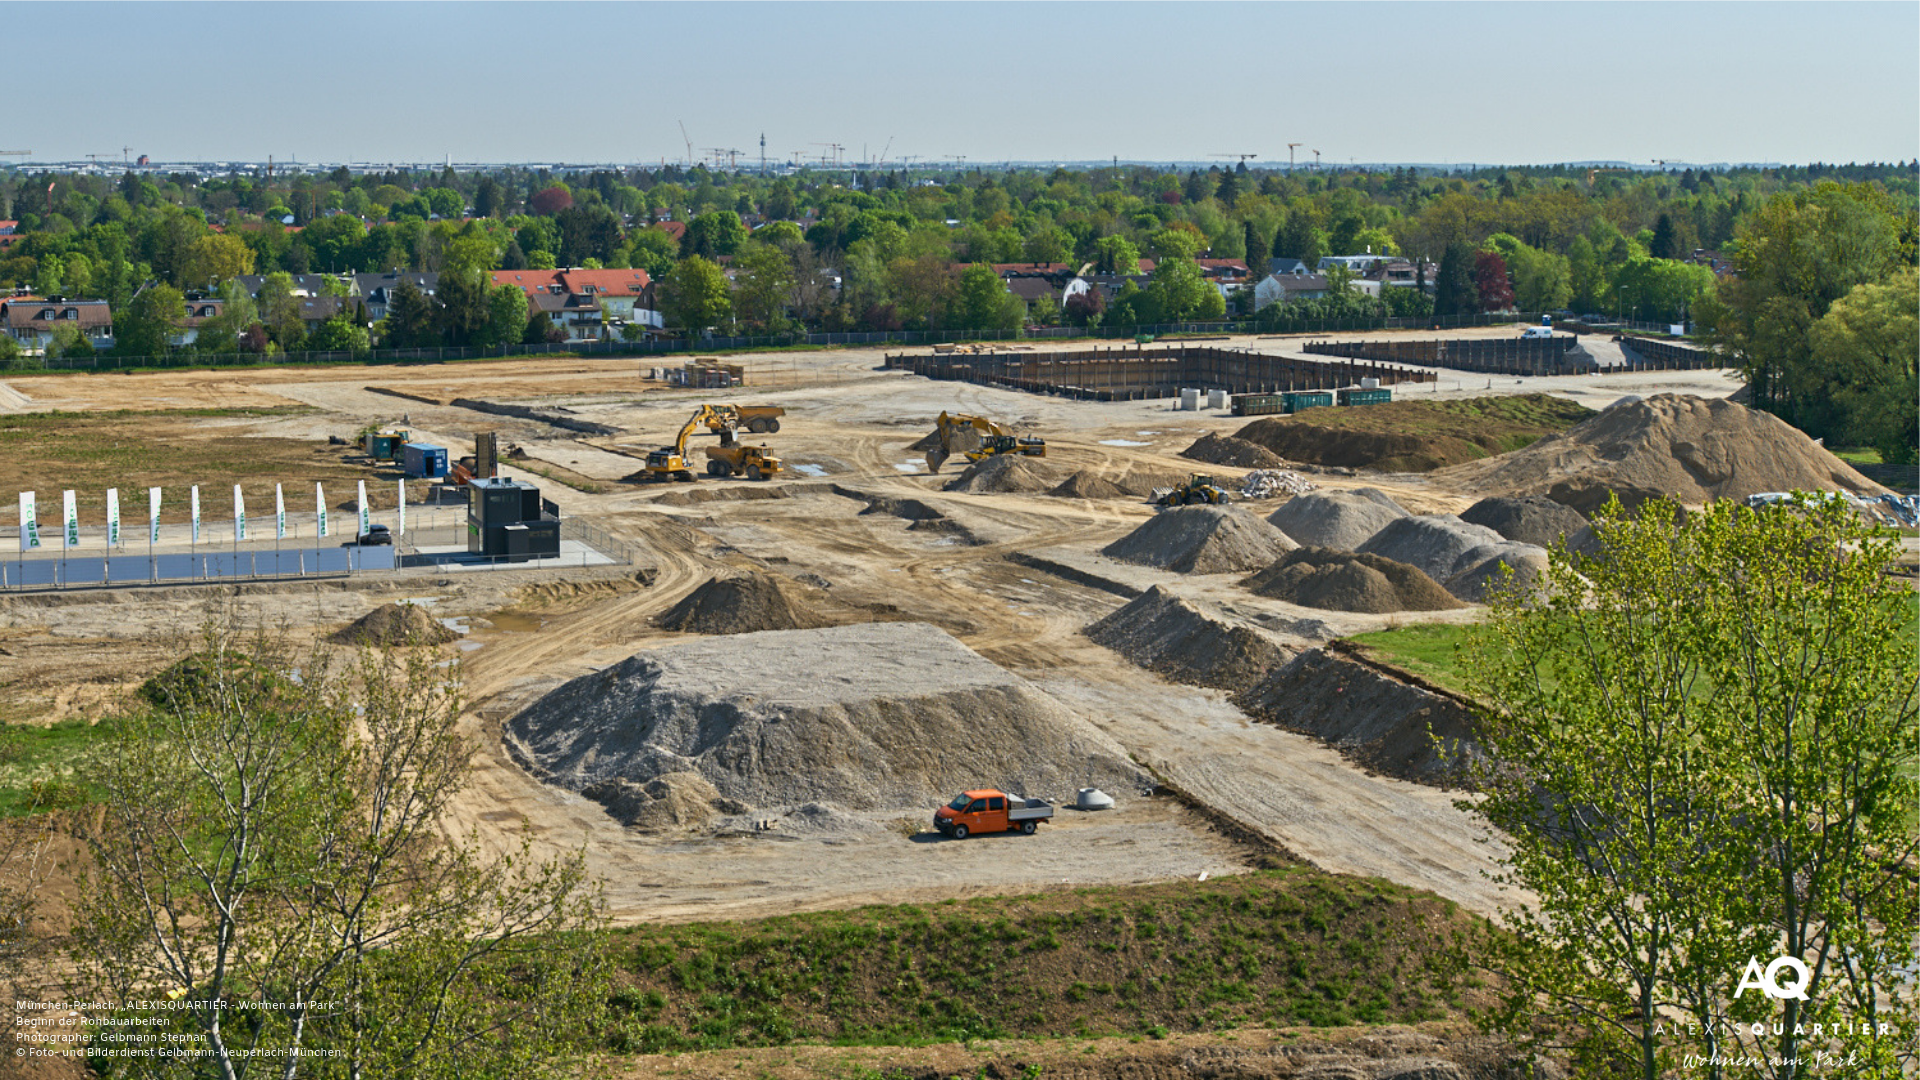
(1189, 400)
(1216, 399)
(1369, 384)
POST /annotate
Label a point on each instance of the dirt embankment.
(1414, 436)
(1201, 540)
(1166, 634)
(1234, 452)
(1382, 718)
(1345, 581)
(396, 624)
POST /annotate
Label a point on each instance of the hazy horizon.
(1428, 83)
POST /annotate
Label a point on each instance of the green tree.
(695, 296)
(147, 325)
(1870, 341)
(410, 318)
(339, 334)
(982, 302)
(273, 831)
(280, 310)
(763, 280)
(1115, 254)
(506, 315)
(653, 251)
(1176, 292)
(718, 233)
(1586, 277)
(1257, 249)
(1453, 290)
(1731, 699)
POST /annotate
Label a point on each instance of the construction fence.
(1648, 354)
(1487, 356)
(1141, 372)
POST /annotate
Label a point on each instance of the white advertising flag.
(193, 509)
(366, 516)
(29, 523)
(401, 528)
(239, 515)
(153, 515)
(320, 509)
(70, 522)
(279, 514)
(113, 517)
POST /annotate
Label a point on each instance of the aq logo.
(1768, 981)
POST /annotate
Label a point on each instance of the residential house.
(1359, 265)
(198, 312)
(303, 284)
(10, 234)
(577, 314)
(1279, 265)
(625, 295)
(31, 321)
(376, 289)
(1284, 288)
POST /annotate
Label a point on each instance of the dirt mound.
(395, 624)
(1370, 714)
(1414, 436)
(747, 603)
(1433, 542)
(1201, 540)
(907, 509)
(1086, 485)
(681, 800)
(1330, 580)
(1163, 633)
(1009, 474)
(1482, 571)
(1526, 519)
(884, 716)
(1691, 449)
(1234, 452)
(729, 493)
(1336, 519)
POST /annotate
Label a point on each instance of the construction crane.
(1290, 149)
(957, 159)
(689, 141)
(1243, 157)
(1316, 161)
(124, 159)
(882, 163)
(832, 155)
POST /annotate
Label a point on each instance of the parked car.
(375, 536)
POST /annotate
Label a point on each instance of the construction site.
(761, 624)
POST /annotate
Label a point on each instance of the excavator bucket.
(936, 458)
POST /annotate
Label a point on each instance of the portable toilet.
(424, 460)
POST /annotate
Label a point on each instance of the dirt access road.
(848, 431)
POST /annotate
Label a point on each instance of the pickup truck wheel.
(959, 832)
(1026, 828)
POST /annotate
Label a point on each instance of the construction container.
(495, 507)
(1299, 400)
(385, 445)
(1364, 396)
(1258, 404)
(424, 460)
(1189, 400)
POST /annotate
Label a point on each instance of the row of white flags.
(30, 539)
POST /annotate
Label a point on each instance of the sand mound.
(680, 800)
(1010, 474)
(395, 624)
(884, 716)
(1692, 449)
(1414, 436)
(1235, 452)
(1086, 485)
(747, 603)
(1336, 519)
(1370, 714)
(1201, 540)
(1480, 572)
(1163, 633)
(1434, 543)
(1526, 519)
(730, 493)
(1330, 580)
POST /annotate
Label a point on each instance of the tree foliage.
(696, 295)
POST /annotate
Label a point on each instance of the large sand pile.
(395, 624)
(1235, 452)
(1483, 570)
(1163, 633)
(1330, 580)
(750, 602)
(1432, 542)
(1202, 540)
(1006, 474)
(1694, 450)
(1526, 519)
(1342, 520)
(877, 717)
(1086, 485)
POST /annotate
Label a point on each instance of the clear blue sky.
(1426, 82)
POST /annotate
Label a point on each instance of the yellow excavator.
(978, 438)
(670, 462)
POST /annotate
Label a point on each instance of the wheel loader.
(1199, 488)
(978, 438)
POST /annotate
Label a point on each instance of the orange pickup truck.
(990, 811)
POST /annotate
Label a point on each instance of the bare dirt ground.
(847, 433)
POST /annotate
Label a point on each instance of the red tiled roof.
(605, 282)
(675, 229)
(530, 282)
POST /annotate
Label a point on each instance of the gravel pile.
(1434, 542)
(1201, 540)
(731, 493)
(395, 624)
(882, 716)
(1526, 519)
(750, 602)
(1271, 483)
(1086, 485)
(1234, 452)
(1691, 449)
(1163, 633)
(1330, 580)
(1336, 519)
(681, 800)
(1370, 715)
(1010, 474)
(1479, 573)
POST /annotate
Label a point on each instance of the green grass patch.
(1415, 436)
(1429, 650)
(1857, 455)
(1292, 946)
(40, 767)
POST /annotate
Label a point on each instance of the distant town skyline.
(932, 83)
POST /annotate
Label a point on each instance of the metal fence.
(1647, 354)
(1487, 356)
(1135, 373)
